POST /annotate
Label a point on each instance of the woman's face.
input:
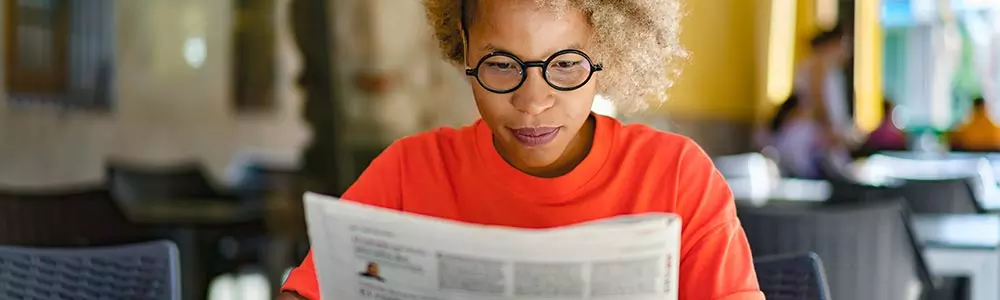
(535, 125)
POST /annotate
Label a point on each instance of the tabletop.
(980, 231)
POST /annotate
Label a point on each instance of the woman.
(539, 158)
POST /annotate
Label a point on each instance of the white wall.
(166, 110)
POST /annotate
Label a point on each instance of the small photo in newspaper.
(371, 272)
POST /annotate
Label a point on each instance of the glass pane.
(35, 31)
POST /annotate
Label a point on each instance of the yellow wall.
(725, 77)
(719, 81)
(805, 29)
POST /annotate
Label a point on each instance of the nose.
(535, 95)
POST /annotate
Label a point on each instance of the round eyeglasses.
(502, 72)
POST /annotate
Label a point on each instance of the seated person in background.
(539, 158)
(887, 137)
(979, 133)
(796, 138)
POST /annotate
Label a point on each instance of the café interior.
(177, 137)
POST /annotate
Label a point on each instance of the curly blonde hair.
(637, 41)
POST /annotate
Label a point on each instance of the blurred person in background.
(539, 158)
(796, 140)
(978, 133)
(887, 137)
(812, 133)
(822, 86)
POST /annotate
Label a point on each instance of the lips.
(535, 136)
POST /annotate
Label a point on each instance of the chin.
(533, 159)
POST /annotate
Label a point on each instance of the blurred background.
(859, 136)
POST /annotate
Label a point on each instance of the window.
(59, 52)
(254, 55)
(36, 35)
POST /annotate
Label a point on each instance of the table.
(193, 222)
(759, 192)
(963, 244)
(981, 174)
(197, 212)
(182, 201)
(188, 222)
(793, 189)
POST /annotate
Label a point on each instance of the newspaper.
(366, 252)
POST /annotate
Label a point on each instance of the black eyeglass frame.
(544, 65)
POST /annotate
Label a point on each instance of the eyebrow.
(491, 48)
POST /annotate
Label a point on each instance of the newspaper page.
(366, 252)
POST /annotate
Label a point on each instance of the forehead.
(525, 29)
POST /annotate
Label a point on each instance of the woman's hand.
(290, 296)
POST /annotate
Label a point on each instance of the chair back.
(852, 191)
(133, 271)
(868, 248)
(951, 196)
(60, 217)
(137, 182)
(792, 277)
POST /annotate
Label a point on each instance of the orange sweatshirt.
(457, 174)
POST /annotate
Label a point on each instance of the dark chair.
(940, 196)
(792, 277)
(922, 196)
(868, 248)
(133, 271)
(143, 182)
(64, 216)
(851, 191)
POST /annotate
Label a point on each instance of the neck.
(574, 154)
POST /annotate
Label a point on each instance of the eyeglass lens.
(565, 71)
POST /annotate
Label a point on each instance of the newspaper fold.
(367, 252)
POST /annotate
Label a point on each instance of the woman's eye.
(500, 65)
(566, 64)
